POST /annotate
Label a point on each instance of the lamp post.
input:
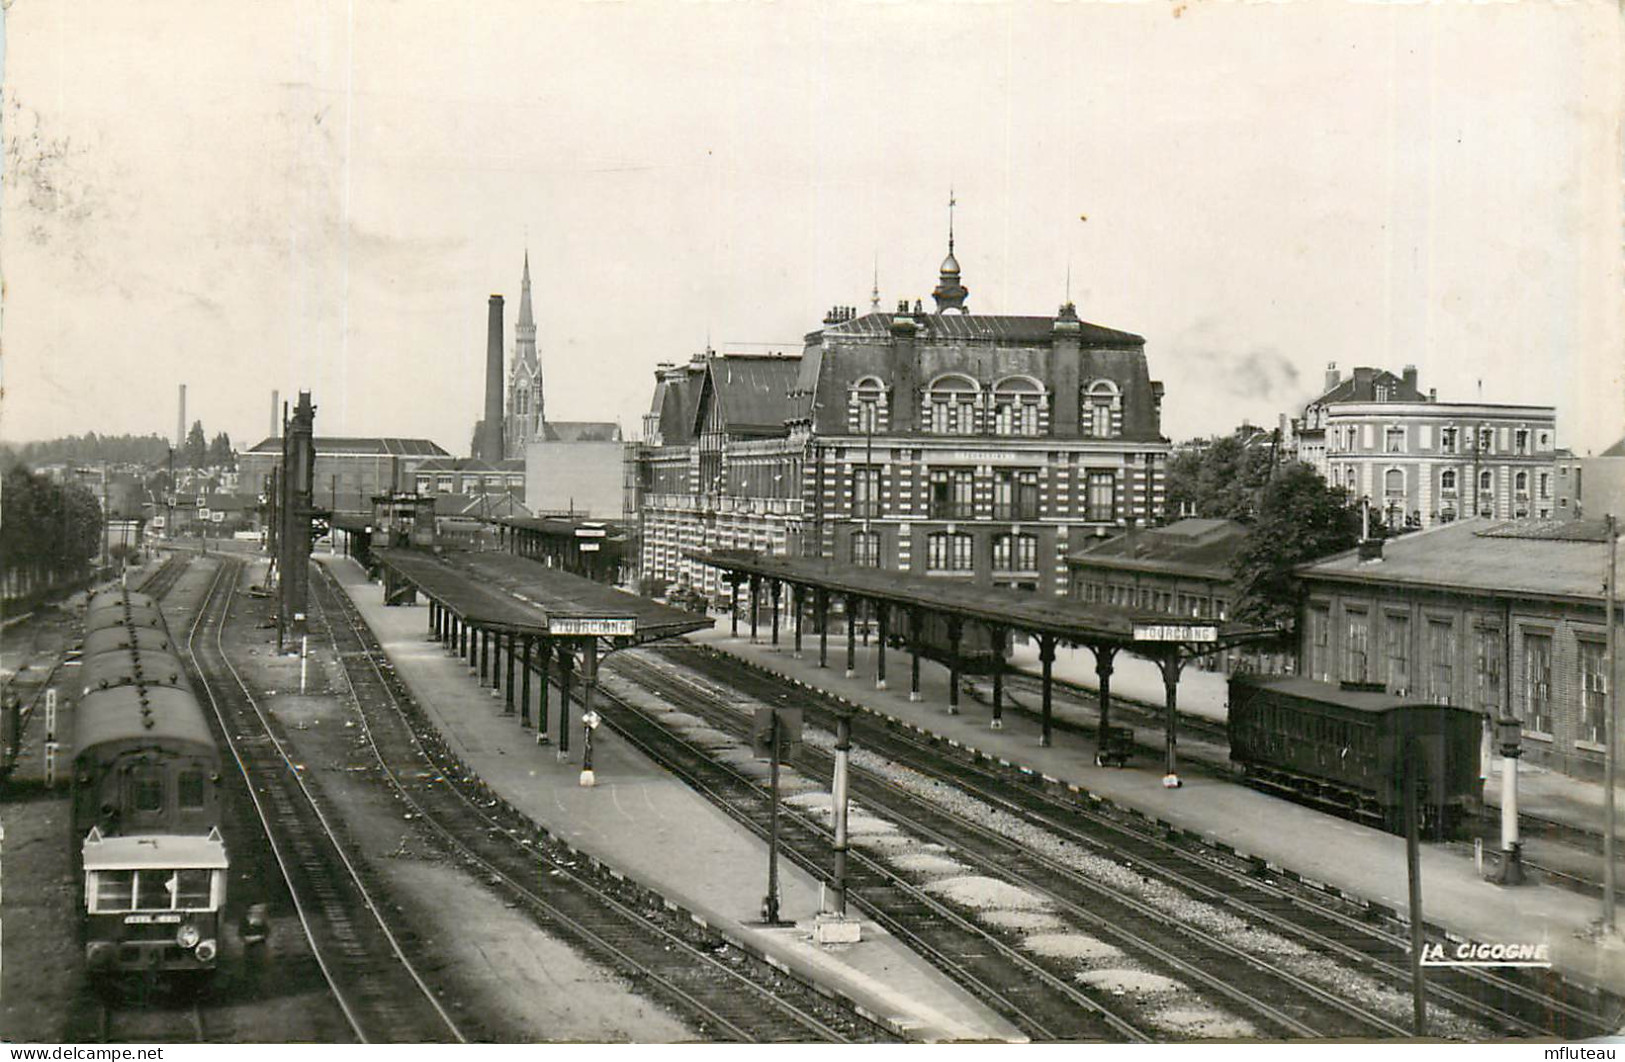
(1509, 735)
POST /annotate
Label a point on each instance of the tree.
(220, 453)
(195, 453)
(1299, 519)
(47, 531)
(1221, 480)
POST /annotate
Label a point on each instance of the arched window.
(951, 405)
(1486, 480)
(1520, 483)
(868, 410)
(1393, 481)
(1015, 553)
(1016, 402)
(1102, 410)
(1447, 479)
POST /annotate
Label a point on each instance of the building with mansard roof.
(980, 447)
(1416, 461)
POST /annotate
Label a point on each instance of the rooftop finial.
(874, 292)
(951, 219)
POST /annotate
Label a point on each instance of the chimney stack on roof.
(1333, 377)
(276, 414)
(1410, 377)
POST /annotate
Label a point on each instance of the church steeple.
(950, 293)
(525, 420)
(524, 332)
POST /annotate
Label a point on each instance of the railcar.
(147, 806)
(146, 639)
(131, 667)
(1344, 748)
(146, 800)
(136, 615)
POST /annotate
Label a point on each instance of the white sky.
(320, 195)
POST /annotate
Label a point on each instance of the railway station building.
(1503, 616)
(1419, 462)
(977, 447)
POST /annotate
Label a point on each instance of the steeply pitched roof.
(994, 327)
(1361, 386)
(754, 391)
(1544, 558)
(1616, 450)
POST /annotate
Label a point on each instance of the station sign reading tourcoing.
(1175, 632)
(588, 626)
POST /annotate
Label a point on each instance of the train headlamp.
(205, 951)
(188, 936)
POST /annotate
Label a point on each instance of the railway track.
(1292, 1006)
(382, 994)
(1516, 1005)
(160, 582)
(726, 993)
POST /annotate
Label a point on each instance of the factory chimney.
(180, 421)
(276, 414)
(490, 438)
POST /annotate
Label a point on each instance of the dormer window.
(1102, 410)
(951, 405)
(1017, 402)
(868, 410)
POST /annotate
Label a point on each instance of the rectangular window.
(866, 491)
(1397, 635)
(1357, 647)
(1015, 494)
(952, 495)
(866, 549)
(113, 890)
(147, 792)
(192, 890)
(1487, 669)
(868, 415)
(189, 790)
(1393, 441)
(1100, 503)
(1015, 553)
(950, 553)
(1320, 630)
(1537, 683)
(1441, 661)
(1593, 691)
(1447, 440)
(1520, 441)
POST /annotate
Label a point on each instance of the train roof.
(163, 851)
(118, 595)
(122, 714)
(121, 667)
(1360, 700)
(101, 619)
(144, 638)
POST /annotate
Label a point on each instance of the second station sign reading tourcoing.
(1176, 632)
(590, 626)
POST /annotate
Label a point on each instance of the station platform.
(1542, 793)
(655, 830)
(1323, 849)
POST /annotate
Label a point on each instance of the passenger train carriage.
(146, 799)
(1343, 748)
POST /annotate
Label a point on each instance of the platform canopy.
(501, 592)
(1062, 618)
